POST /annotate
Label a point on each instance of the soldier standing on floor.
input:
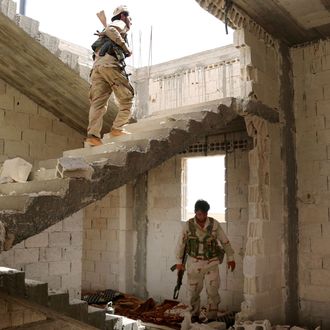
(108, 75)
(201, 238)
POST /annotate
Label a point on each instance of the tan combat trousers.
(197, 272)
(106, 80)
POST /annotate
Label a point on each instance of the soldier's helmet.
(120, 9)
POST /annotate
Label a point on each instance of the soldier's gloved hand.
(180, 266)
(231, 265)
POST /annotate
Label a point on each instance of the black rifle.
(180, 274)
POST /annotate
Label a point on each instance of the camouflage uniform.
(107, 77)
(200, 268)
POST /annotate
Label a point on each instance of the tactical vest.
(211, 247)
(104, 45)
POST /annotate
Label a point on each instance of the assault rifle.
(180, 274)
(108, 46)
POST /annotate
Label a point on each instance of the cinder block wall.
(108, 242)
(53, 256)
(259, 67)
(164, 227)
(198, 78)
(311, 64)
(29, 131)
(13, 314)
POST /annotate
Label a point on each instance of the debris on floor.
(15, 170)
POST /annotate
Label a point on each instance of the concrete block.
(59, 267)
(37, 291)
(16, 149)
(58, 300)
(73, 168)
(56, 139)
(39, 123)
(50, 42)
(8, 8)
(77, 239)
(26, 256)
(73, 223)
(12, 281)
(320, 245)
(16, 119)
(40, 240)
(78, 309)
(24, 104)
(6, 102)
(320, 277)
(50, 254)
(71, 253)
(28, 24)
(34, 136)
(37, 270)
(99, 223)
(96, 317)
(59, 239)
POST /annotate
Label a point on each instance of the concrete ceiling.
(36, 72)
(293, 21)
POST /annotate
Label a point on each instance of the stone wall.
(311, 64)
(53, 256)
(29, 131)
(193, 79)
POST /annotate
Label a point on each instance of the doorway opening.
(203, 178)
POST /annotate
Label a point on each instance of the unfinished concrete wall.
(264, 258)
(311, 64)
(259, 63)
(54, 256)
(194, 79)
(29, 131)
(108, 242)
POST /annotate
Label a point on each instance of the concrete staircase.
(13, 283)
(27, 209)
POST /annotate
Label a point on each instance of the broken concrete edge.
(31, 27)
(44, 211)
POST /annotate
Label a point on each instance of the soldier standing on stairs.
(200, 239)
(108, 75)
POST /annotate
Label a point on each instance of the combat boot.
(117, 132)
(93, 141)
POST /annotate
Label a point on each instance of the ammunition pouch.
(211, 247)
(193, 246)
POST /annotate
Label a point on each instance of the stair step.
(113, 321)
(47, 164)
(78, 309)
(13, 203)
(151, 124)
(58, 300)
(96, 317)
(12, 281)
(107, 148)
(36, 291)
(50, 187)
(44, 174)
